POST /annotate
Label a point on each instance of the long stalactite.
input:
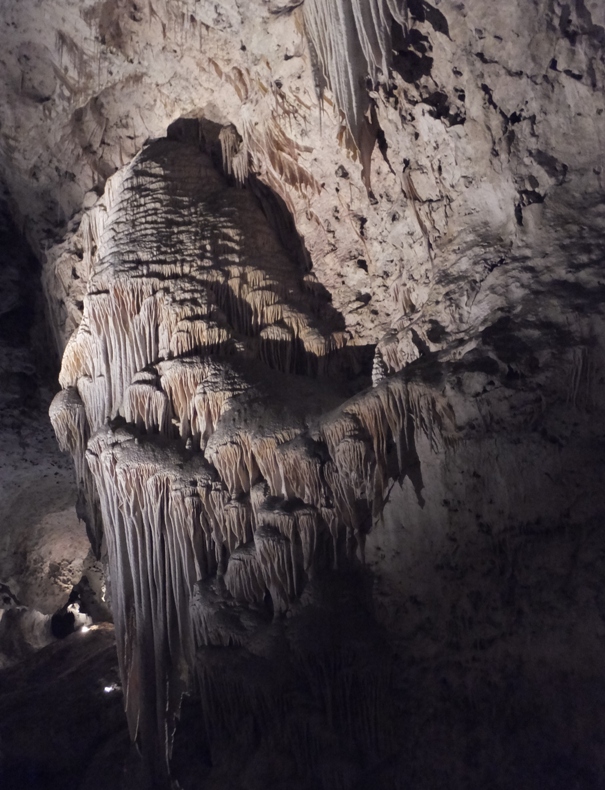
(212, 455)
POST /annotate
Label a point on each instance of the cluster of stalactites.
(199, 274)
(318, 478)
(129, 325)
(235, 153)
(351, 40)
(329, 471)
(212, 476)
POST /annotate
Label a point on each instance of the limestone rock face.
(326, 278)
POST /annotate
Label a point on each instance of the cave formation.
(301, 338)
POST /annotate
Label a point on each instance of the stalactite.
(278, 569)
(309, 527)
(244, 578)
(221, 481)
(68, 418)
(235, 154)
(221, 383)
(237, 524)
(299, 468)
(352, 41)
(70, 423)
(278, 157)
(146, 405)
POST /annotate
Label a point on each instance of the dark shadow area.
(280, 219)
(412, 60)
(421, 11)
(59, 728)
(304, 704)
(350, 365)
(28, 360)
(62, 623)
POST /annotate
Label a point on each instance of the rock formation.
(326, 279)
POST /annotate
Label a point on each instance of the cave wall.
(42, 547)
(479, 132)
(240, 234)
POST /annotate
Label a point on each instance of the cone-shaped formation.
(215, 462)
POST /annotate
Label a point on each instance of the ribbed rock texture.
(326, 278)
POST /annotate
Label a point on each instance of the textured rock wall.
(478, 158)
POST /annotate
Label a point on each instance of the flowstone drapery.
(204, 406)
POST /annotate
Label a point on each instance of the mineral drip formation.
(203, 405)
(351, 40)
